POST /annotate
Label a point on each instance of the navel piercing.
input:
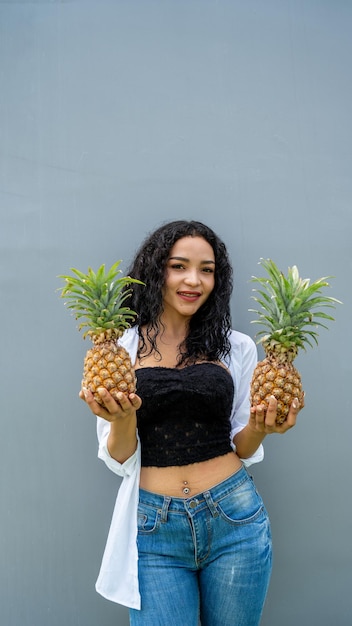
(186, 490)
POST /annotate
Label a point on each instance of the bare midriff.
(188, 480)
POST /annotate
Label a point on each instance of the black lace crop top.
(185, 413)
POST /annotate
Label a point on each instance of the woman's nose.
(192, 278)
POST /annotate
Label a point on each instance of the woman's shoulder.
(129, 340)
(241, 340)
(243, 355)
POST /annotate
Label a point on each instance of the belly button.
(186, 490)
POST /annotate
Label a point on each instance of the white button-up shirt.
(118, 576)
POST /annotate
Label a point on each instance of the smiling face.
(190, 276)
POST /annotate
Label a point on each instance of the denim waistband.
(208, 497)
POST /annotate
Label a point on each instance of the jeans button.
(193, 504)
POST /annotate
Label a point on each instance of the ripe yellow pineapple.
(290, 314)
(98, 299)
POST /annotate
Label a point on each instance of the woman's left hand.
(264, 421)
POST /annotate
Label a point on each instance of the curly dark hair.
(209, 328)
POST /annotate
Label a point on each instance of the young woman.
(190, 537)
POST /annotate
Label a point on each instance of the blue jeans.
(207, 557)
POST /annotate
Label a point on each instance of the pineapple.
(290, 310)
(98, 299)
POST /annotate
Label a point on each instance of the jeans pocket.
(148, 518)
(242, 506)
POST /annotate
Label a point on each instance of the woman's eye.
(177, 266)
(181, 266)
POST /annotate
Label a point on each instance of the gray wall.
(116, 116)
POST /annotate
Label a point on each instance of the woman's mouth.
(189, 296)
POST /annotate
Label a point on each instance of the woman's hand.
(124, 407)
(264, 421)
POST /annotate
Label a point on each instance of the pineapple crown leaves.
(97, 299)
(290, 307)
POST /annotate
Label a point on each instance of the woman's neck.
(174, 330)
(168, 343)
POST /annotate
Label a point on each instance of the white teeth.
(190, 296)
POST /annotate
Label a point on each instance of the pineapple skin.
(272, 377)
(108, 364)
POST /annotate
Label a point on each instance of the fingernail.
(85, 391)
(295, 403)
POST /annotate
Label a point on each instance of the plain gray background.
(118, 116)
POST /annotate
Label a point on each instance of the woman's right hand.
(124, 407)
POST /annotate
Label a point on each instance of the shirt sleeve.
(244, 358)
(129, 341)
(121, 469)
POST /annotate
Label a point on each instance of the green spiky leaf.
(289, 308)
(98, 299)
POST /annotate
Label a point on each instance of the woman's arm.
(122, 439)
(260, 424)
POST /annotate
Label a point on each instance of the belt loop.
(165, 508)
(211, 504)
